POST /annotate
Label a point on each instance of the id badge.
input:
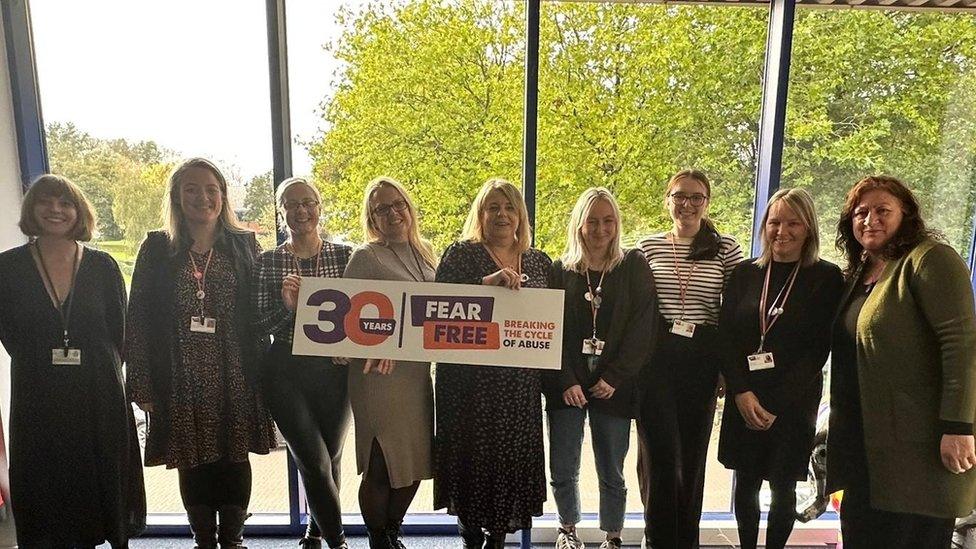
(682, 328)
(203, 325)
(593, 346)
(761, 361)
(66, 357)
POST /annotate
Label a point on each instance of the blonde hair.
(172, 212)
(280, 202)
(373, 233)
(56, 186)
(576, 257)
(800, 201)
(474, 230)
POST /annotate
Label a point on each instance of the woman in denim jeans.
(609, 311)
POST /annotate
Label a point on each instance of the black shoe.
(310, 543)
(230, 532)
(474, 538)
(378, 539)
(395, 534)
(203, 524)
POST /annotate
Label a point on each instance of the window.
(127, 90)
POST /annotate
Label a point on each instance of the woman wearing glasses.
(306, 395)
(691, 264)
(392, 402)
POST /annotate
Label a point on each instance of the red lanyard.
(200, 277)
(595, 297)
(768, 317)
(298, 266)
(682, 284)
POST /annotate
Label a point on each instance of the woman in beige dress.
(392, 401)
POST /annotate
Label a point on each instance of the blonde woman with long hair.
(192, 357)
(609, 310)
(490, 466)
(392, 401)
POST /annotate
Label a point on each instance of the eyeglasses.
(696, 199)
(307, 204)
(385, 209)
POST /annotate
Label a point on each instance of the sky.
(191, 75)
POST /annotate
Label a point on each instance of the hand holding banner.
(429, 322)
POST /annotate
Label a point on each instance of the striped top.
(704, 294)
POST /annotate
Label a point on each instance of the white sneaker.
(612, 543)
(566, 539)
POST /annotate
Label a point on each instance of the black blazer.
(153, 283)
(629, 339)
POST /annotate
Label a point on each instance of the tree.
(138, 207)
(259, 208)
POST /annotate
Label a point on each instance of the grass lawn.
(123, 252)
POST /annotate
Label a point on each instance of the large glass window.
(628, 95)
(127, 90)
(427, 92)
(884, 92)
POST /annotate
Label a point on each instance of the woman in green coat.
(903, 378)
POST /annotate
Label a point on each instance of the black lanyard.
(63, 306)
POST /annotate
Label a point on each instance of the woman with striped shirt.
(690, 264)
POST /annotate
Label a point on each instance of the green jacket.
(916, 355)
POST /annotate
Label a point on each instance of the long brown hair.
(911, 231)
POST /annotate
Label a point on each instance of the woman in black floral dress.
(490, 464)
(192, 356)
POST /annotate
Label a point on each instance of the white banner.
(429, 322)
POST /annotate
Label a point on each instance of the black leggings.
(215, 485)
(307, 399)
(782, 510)
(382, 505)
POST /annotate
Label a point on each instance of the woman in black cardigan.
(609, 312)
(775, 332)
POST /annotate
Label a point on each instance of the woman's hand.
(574, 396)
(383, 366)
(757, 418)
(146, 407)
(340, 361)
(958, 452)
(602, 390)
(507, 278)
(289, 291)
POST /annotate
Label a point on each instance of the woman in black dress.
(193, 355)
(775, 333)
(489, 466)
(75, 475)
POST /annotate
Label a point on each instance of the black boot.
(203, 524)
(495, 541)
(474, 538)
(231, 530)
(396, 536)
(310, 543)
(378, 539)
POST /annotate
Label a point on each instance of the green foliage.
(259, 209)
(137, 208)
(431, 93)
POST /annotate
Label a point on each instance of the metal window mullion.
(772, 118)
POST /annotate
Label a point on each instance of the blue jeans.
(611, 440)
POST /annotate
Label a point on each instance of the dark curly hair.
(911, 231)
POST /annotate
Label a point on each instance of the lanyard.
(768, 317)
(517, 267)
(420, 269)
(298, 266)
(63, 305)
(595, 297)
(682, 284)
(200, 277)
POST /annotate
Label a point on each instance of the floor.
(444, 542)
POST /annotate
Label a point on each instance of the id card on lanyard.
(762, 360)
(65, 355)
(679, 326)
(202, 324)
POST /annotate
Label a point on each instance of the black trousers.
(674, 429)
(307, 399)
(864, 527)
